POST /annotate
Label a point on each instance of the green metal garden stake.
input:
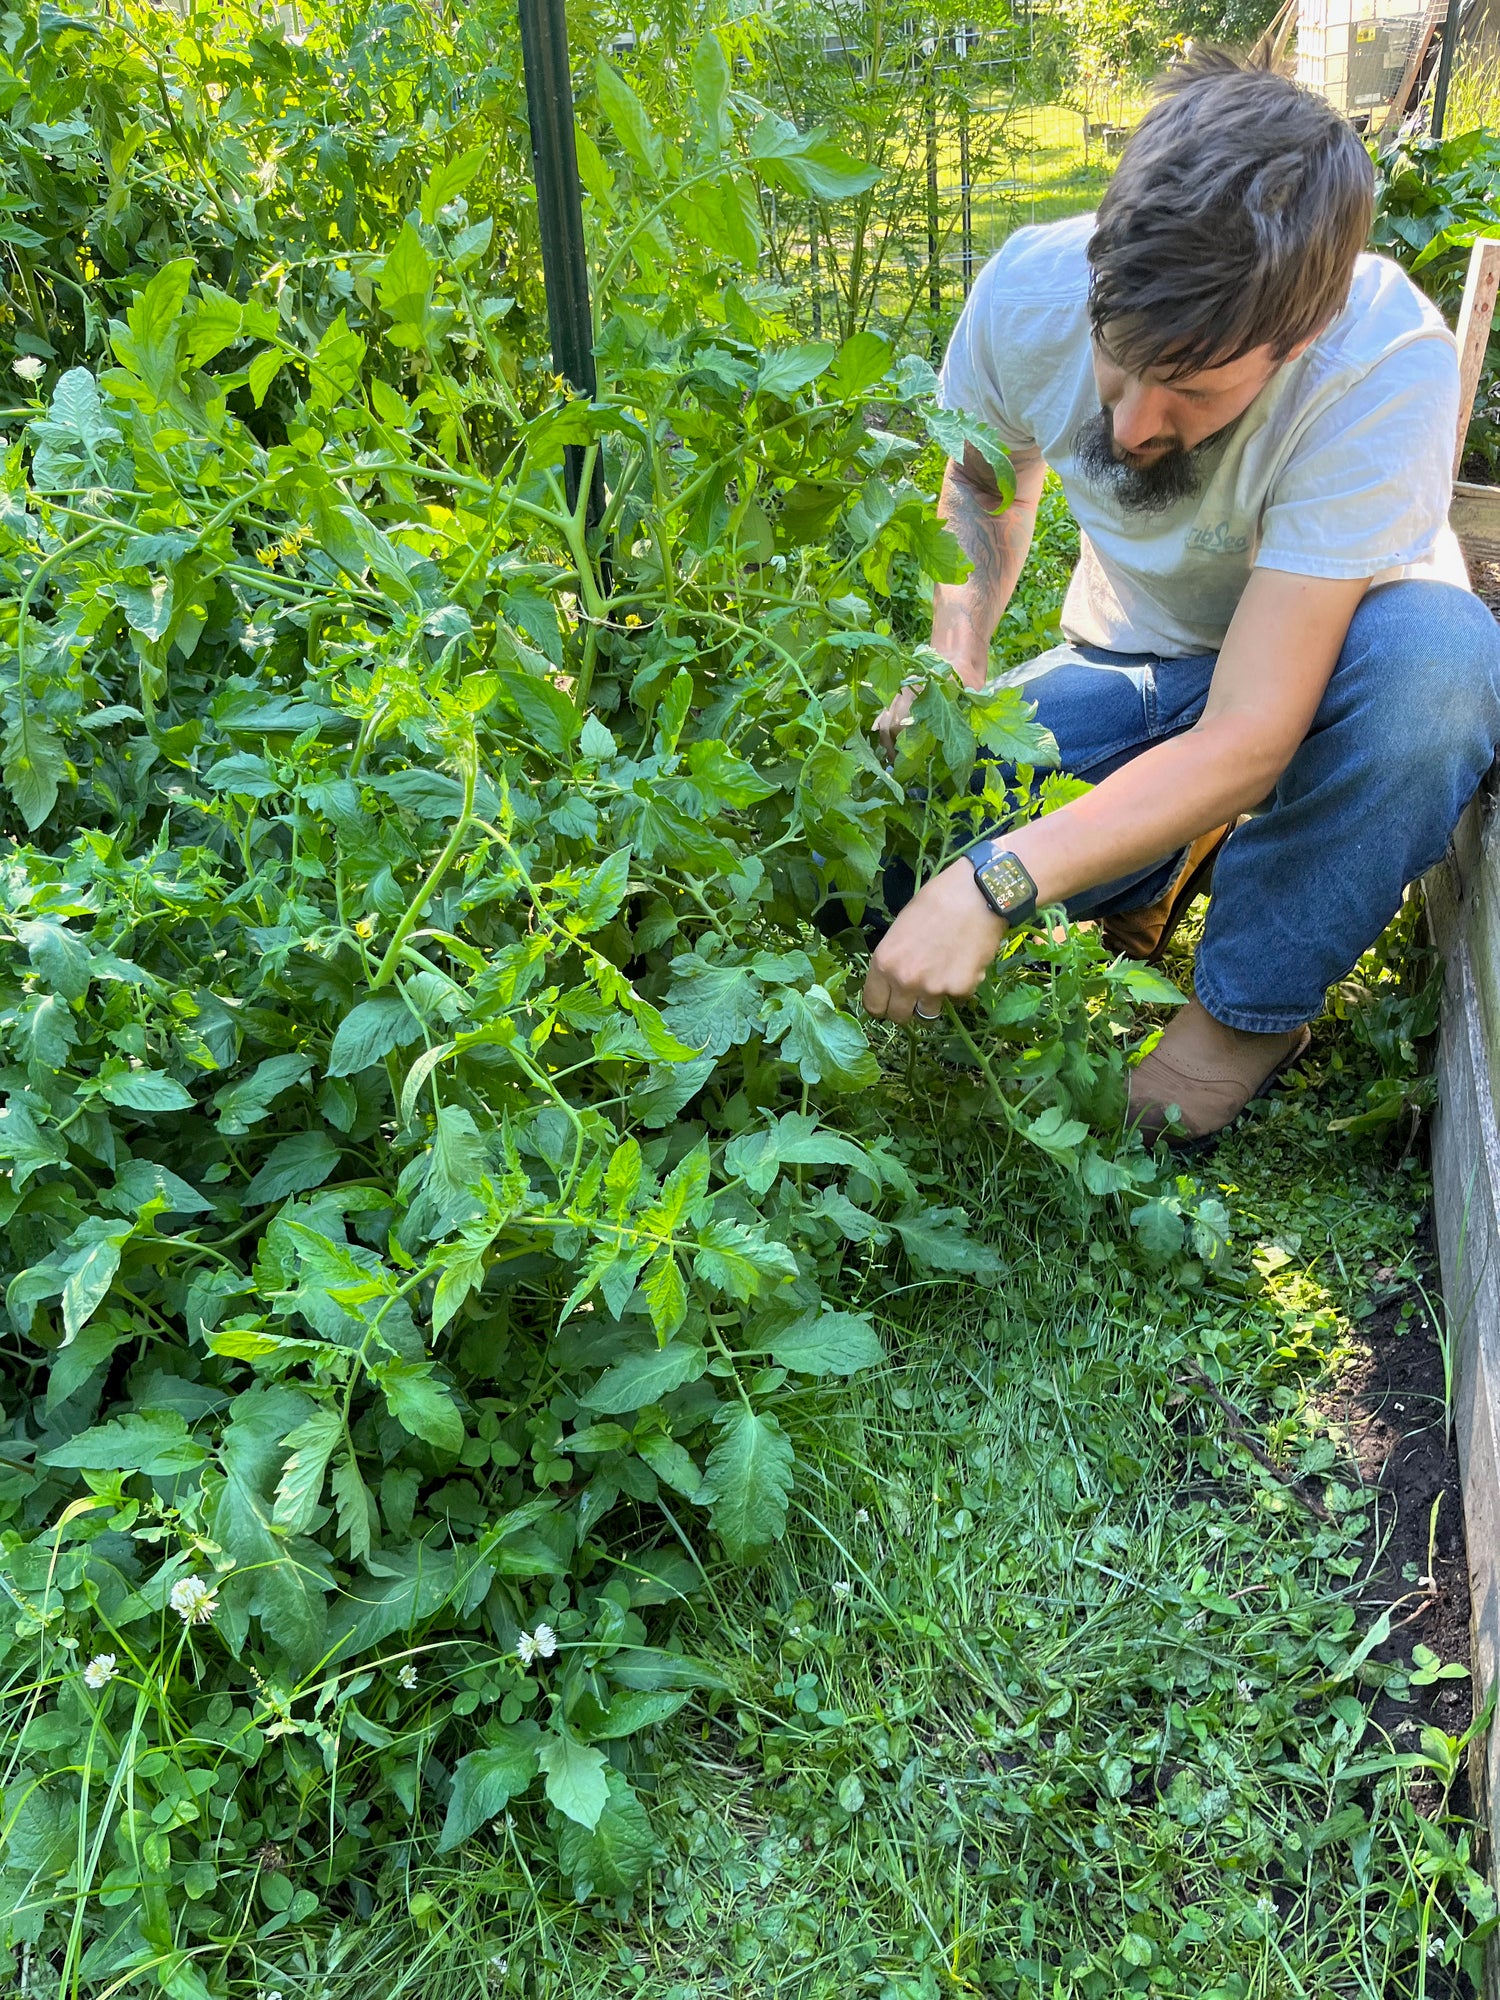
(559, 204)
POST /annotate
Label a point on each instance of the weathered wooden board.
(1463, 902)
(1475, 316)
(1464, 907)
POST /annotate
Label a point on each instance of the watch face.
(1007, 882)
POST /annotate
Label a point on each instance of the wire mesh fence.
(989, 135)
(1009, 135)
(987, 129)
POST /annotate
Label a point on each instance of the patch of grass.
(1030, 163)
(1054, 171)
(1055, 1688)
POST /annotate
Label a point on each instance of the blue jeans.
(1407, 727)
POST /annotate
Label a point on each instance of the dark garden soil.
(1485, 577)
(1391, 1406)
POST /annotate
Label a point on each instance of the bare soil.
(1485, 577)
(1391, 1407)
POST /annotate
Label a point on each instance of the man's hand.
(892, 720)
(939, 948)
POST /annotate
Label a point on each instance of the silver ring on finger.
(928, 1017)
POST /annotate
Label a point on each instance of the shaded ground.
(1485, 578)
(1390, 1411)
(1057, 1690)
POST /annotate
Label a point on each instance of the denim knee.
(1426, 668)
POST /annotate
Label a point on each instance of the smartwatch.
(1003, 882)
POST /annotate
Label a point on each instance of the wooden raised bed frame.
(1463, 901)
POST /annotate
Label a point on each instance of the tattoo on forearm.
(996, 544)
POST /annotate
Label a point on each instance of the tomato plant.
(442, 1156)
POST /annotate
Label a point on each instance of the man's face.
(1147, 444)
(1152, 417)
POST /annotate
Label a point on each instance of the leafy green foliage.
(442, 1156)
(1434, 199)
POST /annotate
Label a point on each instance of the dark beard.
(1141, 489)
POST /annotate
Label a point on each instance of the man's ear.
(1303, 345)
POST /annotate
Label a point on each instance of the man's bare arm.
(965, 615)
(1281, 649)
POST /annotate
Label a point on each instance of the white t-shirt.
(1341, 467)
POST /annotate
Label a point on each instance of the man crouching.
(1253, 424)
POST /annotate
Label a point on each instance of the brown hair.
(1233, 220)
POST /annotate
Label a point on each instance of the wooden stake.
(1473, 333)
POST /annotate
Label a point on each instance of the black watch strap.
(1003, 880)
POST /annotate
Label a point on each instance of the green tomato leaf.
(939, 1238)
(795, 1139)
(243, 1104)
(710, 74)
(405, 278)
(645, 1378)
(312, 1445)
(835, 1343)
(712, 1007)
(157, 1445)
(859, 364)
(420, 1404)
(146, 1090)
(550, 719)
(92, 1272)
(284, 1588)
(953, 430)
(485, 1782)
(748, 1483)
(369, 1032)
(807, 162)
(825, 1045)
(351, 1497)
(33, 766)
(627, 117)
(450, 179)
(303, 1161)
(673, 1464)
(739, 1260)
(789, 369)
(1150, 987)
(57, 957)
(602, 891)
(666, 1295)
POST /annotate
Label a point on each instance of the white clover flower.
(30, 368)
(407, 1676)
(1265, 1906)
(193, 1600)
(862, 1517)
(538, 1645)
(841, 1589)
(100, 1671)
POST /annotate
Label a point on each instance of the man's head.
(1224, 244)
